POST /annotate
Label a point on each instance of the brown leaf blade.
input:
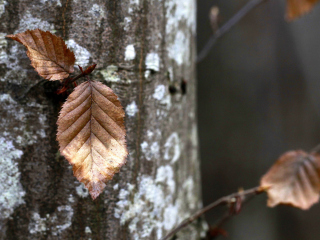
(293, 180)
(297, 8)
(91, 134)
(48, 53)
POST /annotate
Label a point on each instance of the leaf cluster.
(91, 131)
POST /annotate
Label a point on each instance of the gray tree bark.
(141, 47)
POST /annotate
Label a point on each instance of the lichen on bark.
(159, 186)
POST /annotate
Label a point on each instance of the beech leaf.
(293, 180)
(91, 134)
(297, 8)
(48, 53)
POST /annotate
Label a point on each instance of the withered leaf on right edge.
(293, 180)
(297, 8)
(91, 134)
(48, 53)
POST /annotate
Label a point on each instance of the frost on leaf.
(48, 53)
(293, 180)
(297, 8)
(91, 134)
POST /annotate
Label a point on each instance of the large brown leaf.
(48, 53)
(91, 134)
(297, 8)
(293, 180)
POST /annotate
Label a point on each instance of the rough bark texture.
(159, 186)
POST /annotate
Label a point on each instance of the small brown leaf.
(293, 180)
(91, 134)
(48, 53)
(297, 8)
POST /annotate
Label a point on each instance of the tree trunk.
(145, 51)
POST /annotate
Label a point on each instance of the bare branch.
(231, 199)
(226, 27)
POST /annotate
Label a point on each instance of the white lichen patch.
(3, 46)
(71, 198)
(82, 191)
(30, 22)
(153, 62)
(37, 224)
(133, 4)
(150, 134)
(166, 101)
(144, 145)
(116, 186)
(98, 13)
(165, 174)
(55, 223)
(63, 216)
(188, 185)
(10, 106)
(156, 206)
(132, 109)
(127, 23)
(23, 134)
(170, 217)
(82, 54)
(150, 152)
(194, 141)
(130, 53)
(172, 148)
(161, 94)
(15, 73)
(147, 74)
(51, 2)
(11, 191)
(6, 98)
(110, 74)
(87, 230)
(179, 50)
(180, 13)
(3, 4)
(146, 212)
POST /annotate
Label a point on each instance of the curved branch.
(226, 27)
(231, 199)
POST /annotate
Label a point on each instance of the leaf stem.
(230, 199)
(82, 74)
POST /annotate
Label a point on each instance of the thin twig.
(316, 149)
(216, 230)
(226, 27)
(224, 200)
(30, 88)
(232, 212)
(76, 78)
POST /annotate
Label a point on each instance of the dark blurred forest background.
(258, 97)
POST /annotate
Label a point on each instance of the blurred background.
(258, 97)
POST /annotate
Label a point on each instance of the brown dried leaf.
(297, 8)
(48, 53)
(91, 134)
(293, 180)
